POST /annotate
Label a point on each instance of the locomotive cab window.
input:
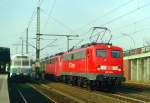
(25, 62)
(101, 53)
(17, 62)
(115, 53)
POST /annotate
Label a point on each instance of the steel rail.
(21, 94)
(42, 93)
(119, 96)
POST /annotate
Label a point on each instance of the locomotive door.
(87, 62)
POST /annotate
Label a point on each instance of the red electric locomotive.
(53, 66)
(95, 64)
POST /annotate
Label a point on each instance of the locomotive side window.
(67, 57)
(53, 60)
(49, 61)
(101, 53)
(115, 53)
(79, 55)
(75, 56)
(72, 56)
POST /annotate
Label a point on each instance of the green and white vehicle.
(21, 66)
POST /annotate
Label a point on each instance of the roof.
(12, 57)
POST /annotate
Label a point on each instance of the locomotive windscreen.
(115, 53)
(101, 53)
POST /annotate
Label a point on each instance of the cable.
(132, 11)
(62, 24)
(50, 13)
(144, 29)
(54, 19)
(128, 13)
(140, 20)
(33, 14)
(31, 19)
(41, 2)
(107, 13)
(49, 44)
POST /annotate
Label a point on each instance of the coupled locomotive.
(95, 64)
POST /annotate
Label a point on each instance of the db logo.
(71, 65)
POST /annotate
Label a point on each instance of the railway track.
(57, 95)
(123, 94)
(23, 93)
(136, 92)
(130, 93)
(50, 92)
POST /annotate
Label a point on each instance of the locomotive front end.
(109, 64)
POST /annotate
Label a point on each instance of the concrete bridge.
(137, 64)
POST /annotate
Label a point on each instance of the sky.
(128, 21)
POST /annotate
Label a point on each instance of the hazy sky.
(128, 17)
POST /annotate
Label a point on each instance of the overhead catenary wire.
(137, 21)
(59, 22)
(126, 14)
(50, 13)
(141, 30)
(49, 44)
(62, 24)
(33, 15)
(31, 19)
(106, 14)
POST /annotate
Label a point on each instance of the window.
(25, 62)
(17, 62)
(79, 55)
(101, 53)
(75, 55)
(115, 53)
(67, 57)
(22, 57)
(52, 60)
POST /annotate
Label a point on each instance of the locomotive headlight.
(115, 67)
(98, 68)
(103, 67)
(108, 46)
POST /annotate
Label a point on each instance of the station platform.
(4, 95)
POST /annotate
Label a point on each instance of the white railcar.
(21, 66)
